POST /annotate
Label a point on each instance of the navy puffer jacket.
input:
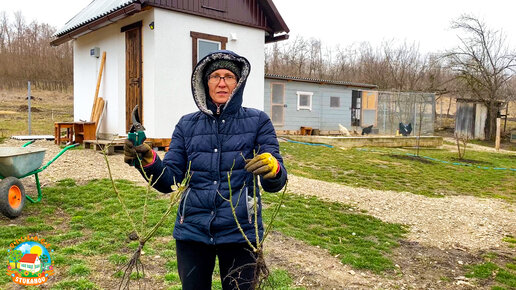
(215, 145)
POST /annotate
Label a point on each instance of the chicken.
(344, 131)
(367, 130)
(405, 130)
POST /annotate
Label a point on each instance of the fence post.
(28, 98)
(497, 140)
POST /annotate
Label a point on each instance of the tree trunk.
(449, 106)
(490, 128)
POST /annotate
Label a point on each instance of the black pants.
(196, 261)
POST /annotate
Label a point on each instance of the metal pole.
(28, 98)
(415, 115)
(384, 119)
(505, 119)
(441, 114)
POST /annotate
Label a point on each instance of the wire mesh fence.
(414, 108)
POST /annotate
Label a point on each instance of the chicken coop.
(407, 108)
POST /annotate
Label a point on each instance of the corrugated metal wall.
(465, 120)
(470, 120)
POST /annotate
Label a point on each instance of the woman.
(222, 137)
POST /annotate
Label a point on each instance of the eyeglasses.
(229, 80)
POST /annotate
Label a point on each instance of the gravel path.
(455, 221)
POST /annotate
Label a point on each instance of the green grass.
(117, 259)
(79, 284)
(482, 271)
(392, 169)
(357, 239)
(44, 112)
(279, 280)
(79, 270)
(90, 227)
(490, 271)
(505, 145)
(510, 240)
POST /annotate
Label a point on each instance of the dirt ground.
(444, 233)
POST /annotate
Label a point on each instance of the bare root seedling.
(261, 271)
(464, 140)
(135, 264)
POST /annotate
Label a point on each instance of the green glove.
(144, 151)
(264, 164)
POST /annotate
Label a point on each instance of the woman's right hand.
(144, 151)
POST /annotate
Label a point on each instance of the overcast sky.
(339, 22)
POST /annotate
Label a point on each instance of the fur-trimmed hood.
(200, 92)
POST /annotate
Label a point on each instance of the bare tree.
(391, 66)
(484, 66)
(26, 55)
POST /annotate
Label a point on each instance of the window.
(334, 102)
(203, 44)
(204, 47)
(277, 103)
(304, 101)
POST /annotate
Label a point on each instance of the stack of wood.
(98, 103)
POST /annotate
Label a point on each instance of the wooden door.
(356, 111)
(369, 108)
(278, 104)
(133, 73)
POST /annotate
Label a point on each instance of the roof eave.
(98, 23)
(277, 23)
(321, 82)
(272, 38)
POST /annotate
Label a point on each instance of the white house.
(151, 47)
(30, 262)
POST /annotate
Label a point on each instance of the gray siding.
(322, 116)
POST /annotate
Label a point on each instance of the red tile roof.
(29, 258)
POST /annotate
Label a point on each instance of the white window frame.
(309, 107)
(282, 104)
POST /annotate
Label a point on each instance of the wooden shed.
(151, 47)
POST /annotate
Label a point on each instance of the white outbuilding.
(151, 47)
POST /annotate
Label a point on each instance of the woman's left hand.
(264, 164)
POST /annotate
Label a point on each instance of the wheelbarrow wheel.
(12, 197)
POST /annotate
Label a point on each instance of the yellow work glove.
(264, 164)
(144, 151)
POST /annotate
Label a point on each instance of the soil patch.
(472, 161)
(411, 158)
(25, 108)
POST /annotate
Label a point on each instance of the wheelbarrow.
(15, 164)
